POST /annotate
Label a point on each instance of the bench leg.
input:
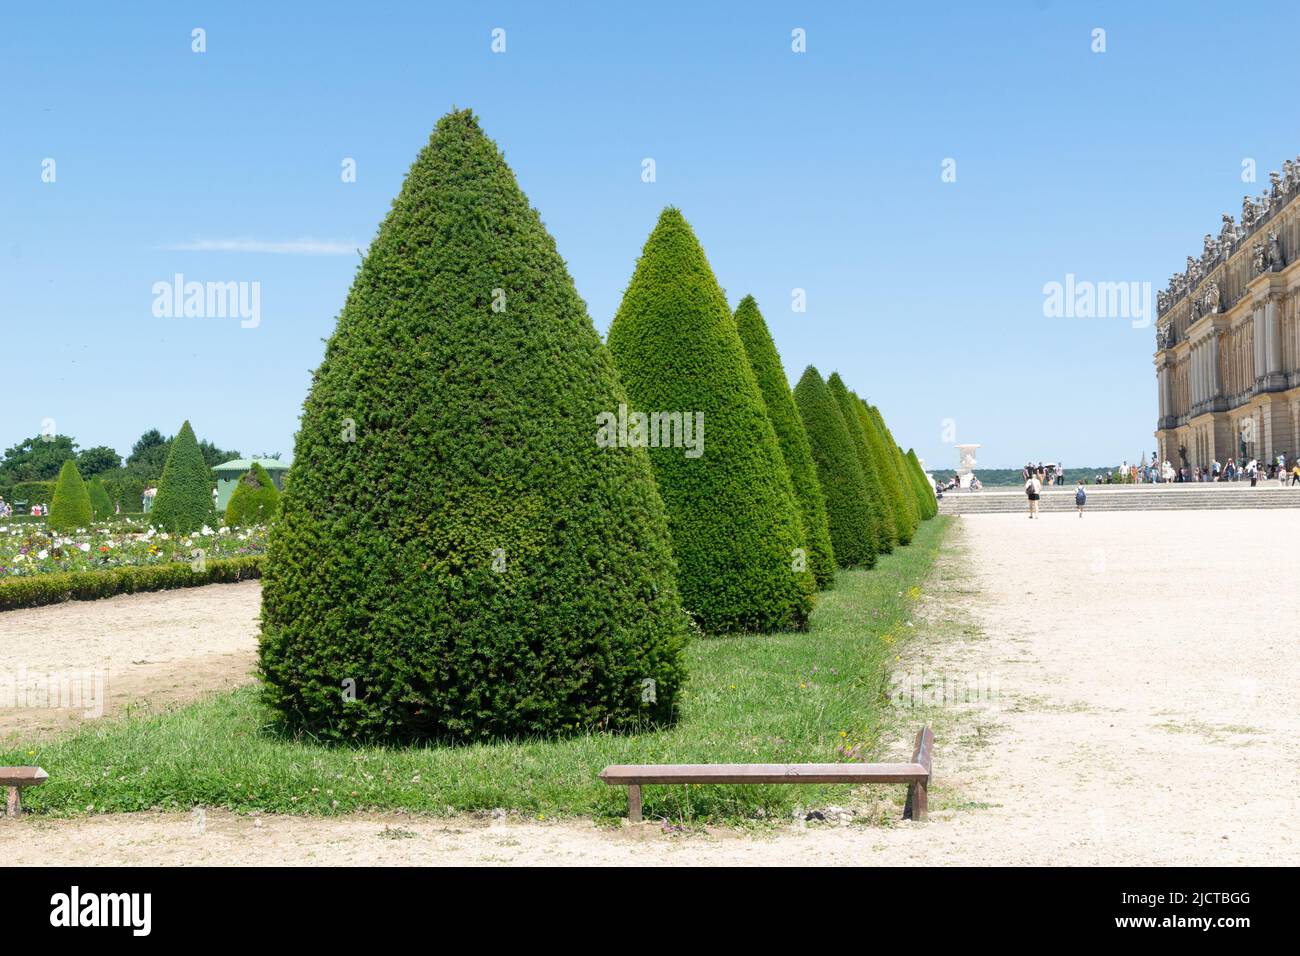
(634, 802)
(918, 801)
(13, 806)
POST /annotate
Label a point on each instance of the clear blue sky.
(818, 170)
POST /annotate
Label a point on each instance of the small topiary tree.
(455, 556)
(839, 472)
(184, 501)
(100, 503)
(732, 513)
(70, 507)
(791, 436)
(924, 491)
(884, 535)
(904, 517)
(254, 499)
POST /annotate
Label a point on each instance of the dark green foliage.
(839, 472)
(732, 513)
(791, 436)
(901, 468)
(34, 590)
(453, 546)
(900, 501)
(100, 504)
(70, 507)
(125, 490)
(924, 493)
(32, 492)
(184, 501)
(884, 535)
(98, 460)
(254, 499)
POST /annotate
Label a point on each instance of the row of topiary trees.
(184, 501)
(457, 558)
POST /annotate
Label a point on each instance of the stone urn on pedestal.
(965, 465)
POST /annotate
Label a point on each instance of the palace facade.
(1228, 337)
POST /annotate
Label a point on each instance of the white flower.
(84, 547)
(42, 554)
(19, 557)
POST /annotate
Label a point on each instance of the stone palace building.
(1228, 337)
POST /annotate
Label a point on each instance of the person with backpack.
(1033, 489)
(1080, 497)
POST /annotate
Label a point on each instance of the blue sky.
(818, 171)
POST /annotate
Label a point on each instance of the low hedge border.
(53, 588)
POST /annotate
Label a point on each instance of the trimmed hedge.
(838, 471)
(32, 492)
(34, 590)
(70, 508)
(901, 468)
(791, 436)
(100, 504)
(924, 492)
(884, 534)
(184, 501)
(455, 557)
(254, 499)
(899, 501)
(732, 512)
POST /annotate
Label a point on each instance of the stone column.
(1273, 329)
(1260, 367)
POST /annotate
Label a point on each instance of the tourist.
(1295, 474)
(1252, 471)
(5, 509)
(1033, 489)
(1281, 470)
(1080, 498)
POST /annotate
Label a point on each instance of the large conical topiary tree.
(839, 472)
(70, 507)
(924, 490)
(254, 499)
(456, 556)
(791, 436)
(732, 513)
(884, 536)
(899, 472)
(184, 501)
(896, 498)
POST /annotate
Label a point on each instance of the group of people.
(1046, 474)
(1242, 469)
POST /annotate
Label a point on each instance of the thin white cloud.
(290, 247)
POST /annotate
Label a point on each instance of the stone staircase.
(1172, 497)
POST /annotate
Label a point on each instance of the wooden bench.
(15, 778)
(915, 774)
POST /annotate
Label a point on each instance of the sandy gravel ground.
(1144, 714)
(148, 650)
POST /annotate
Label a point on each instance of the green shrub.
(70, 508)
(254, 499)
(901, 468)
(899, 501)
(884, 535)
(34, 590)
(125, 490)
(454, 546)
(848, 512)
(184, 501)
(732, 513)
(791, 436)
(100, 504)
(32, 492)
(924, 491)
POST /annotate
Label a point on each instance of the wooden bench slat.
(765, 773)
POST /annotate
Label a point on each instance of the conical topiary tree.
(904, 521)
(924, 491)
(100, 503)
(900, 470)
(790, 434)
(70, 506)
(184, 500)
(456, 557)
(732, 513)
(254, 499)
(839, 472)
(884, 535)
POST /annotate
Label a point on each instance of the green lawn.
(815, 696)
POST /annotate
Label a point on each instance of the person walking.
(1252, 471)
(1033, 490)
(1080, 497)
(1295, 474)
